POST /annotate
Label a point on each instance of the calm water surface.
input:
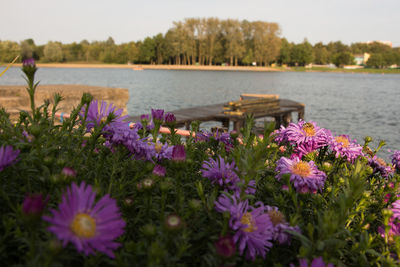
(354, 104)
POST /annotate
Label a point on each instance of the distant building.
(361, 59)
(389, 43)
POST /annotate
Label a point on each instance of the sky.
(68, 21)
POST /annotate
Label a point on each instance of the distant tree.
(343, 58)
(53, 52)
(321, 54)
(159, 47)
(233, 40)
(212, 30)
(284, 53)
(26, 50)
(266, 42)
(248, 58)
(8, 51)
(301, 54)
(376, 61)
(147, 51)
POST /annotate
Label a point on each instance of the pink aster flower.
(394, 230)
(342, 146)
(8, 156)
(281, 226)
(253, 227)
(69, 172)
(87, 225)
(396, 209)
(306, 132)
(304, 175)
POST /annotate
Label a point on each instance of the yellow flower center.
(308, 128)
(249, 221)
(158, 147)
(302, 169)
(276, 217)
(84, 225)
(342, 139)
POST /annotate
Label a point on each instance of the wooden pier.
(282, 113)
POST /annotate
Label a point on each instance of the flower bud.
(34, 204)
(173, 222)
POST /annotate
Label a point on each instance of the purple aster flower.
(305, 176)
(178, 153)
(159, 170)
(221, 173)
(87, 225)
(98, 114)
(380, 166)
(8, 156)
(163, 151)
(157, 114)
(253, 227)
(344, 147)
(225, 246)
(280, 135)
(170, 118)
(317, 262)
(305, 149)
(34, 205)
(281, 227)
(29, 62)
(396, 159)
(144, 117)
(305, 132)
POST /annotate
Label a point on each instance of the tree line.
(206, 41)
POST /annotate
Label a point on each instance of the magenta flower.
(34, 204)
(144, 117)
(305, 176)
(159, 170)
(317, 262)
(281, 226)
(178, 153)
(87, 225)
(394, 230)
(157, 114)
(396, 159)
(253, 227)
(8, 156)
(344, 147)
(69, 172)
(170, 118)
(305, 133)
(396, 209)
(220, 173)
(98, 114)
(29, 62)
(225, 246)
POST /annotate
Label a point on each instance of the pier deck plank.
(215, 112)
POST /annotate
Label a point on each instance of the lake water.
(354, 104)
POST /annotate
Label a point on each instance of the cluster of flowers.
(255, 228)
(306, 138)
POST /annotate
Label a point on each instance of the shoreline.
(138, 67)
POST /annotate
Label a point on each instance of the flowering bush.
(96, 191)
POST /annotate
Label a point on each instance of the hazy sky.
(70, 21)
